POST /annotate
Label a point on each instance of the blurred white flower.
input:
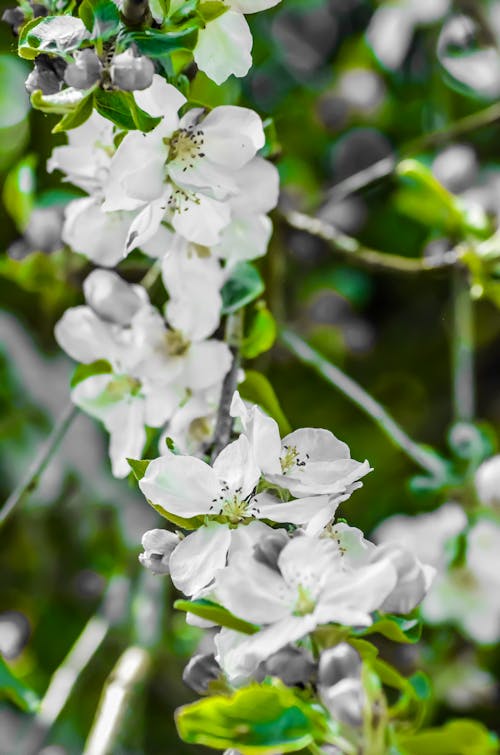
(487, 482)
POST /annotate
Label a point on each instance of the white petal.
(136, 173)
(251, 6)
(127, 435)
(236, 466)
(146, 223)
(232, 135)
(253, 592)
(182, 485)
(224, 47)
(98, 235)
(245, 238)
(85, 337)
(259, 185)
(199, 556)
(262, 432)
(161, 99)
(200, 219)
(206, 364)
(300, 511)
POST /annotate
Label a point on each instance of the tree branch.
(357, 253)
(346, 385)
(464, 398)
(32, 479)
(224, 424)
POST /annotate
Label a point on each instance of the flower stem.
(32, 479)
(357, 253)
(224, 424)
(464, 398)
(333, 375)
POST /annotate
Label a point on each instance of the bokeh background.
(348, 82)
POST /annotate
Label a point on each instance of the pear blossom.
(184, 170)
(309, 587)
(225, 43)
(466, 593)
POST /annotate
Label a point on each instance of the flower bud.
(112, 298)
(200, 671)
(268, 550)
(47, 75)
(488, 481)
(130, 72)
(413, 578)
(337, 663)
(85, 71)
(345, 701)
(158, 547)
(290, 664)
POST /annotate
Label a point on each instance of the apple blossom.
(158, 547)
(487, 482)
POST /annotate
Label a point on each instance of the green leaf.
(257, 389)
(272, 147)
(101, 18)
(394, 628)
(139, 467)
(261, 334)
(76, 117)
(244, 285)
(20, 694)
(256, 719)
(463, 737)
(52, 34)
(207, 609)
(84, 371)
(65, 101)
(156, 43)
(211, 9)
(19, 191)
(122, 109)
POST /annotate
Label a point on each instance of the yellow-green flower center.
(305, 602)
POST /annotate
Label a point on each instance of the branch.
(363, 255)
(224, 424)
(130, 669)
(346, 385)
(32, 479)
(464, 398)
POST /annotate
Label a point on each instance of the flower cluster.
(266, 545)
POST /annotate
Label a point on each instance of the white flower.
(309, 587)
(466, 594)
(488, 482)
(225, 44)
(192, 426)
(184, 169)
(307, 462)
(158, 547)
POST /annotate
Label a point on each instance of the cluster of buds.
(127, 71)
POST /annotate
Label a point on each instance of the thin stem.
(464, 398)
(364, 401)
(129, 671)
(32, 478)
(224, 424)
(358, 253)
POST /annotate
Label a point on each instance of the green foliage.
(462, 737)
(257, 389)
(256, 719)
(396, 628)
(13, 688)
(51, 34)
(122, 109)
(19, 191)
(158, 44)
(242, 287)
(101, 18)
(261, 334)
(63, 102)
(76, 117)
(84, 371)
(207, 609)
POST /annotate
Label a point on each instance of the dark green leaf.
(206, 609)
(156, 43)
(256, 719)
(101, 17)
(122, 109)
(84, 371)
(79, 115)
(244, 285)
(20, 694)
(257, 389)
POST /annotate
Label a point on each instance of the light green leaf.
(139, 467)
(19, 191)
(84, 371)
(122, 109)
(76, 117)
(65, 101)
(244, 285)
(261, 334)
(463, 737)
(256, 719)
(257, 389)
(395, 628)
(20, 694)
(211, 9)
(207, 609)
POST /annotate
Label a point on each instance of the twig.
(66, 676)
(363, 255)
(130, 669)
(224, 424)
(32, 479)
(464, 398)
(361, 398)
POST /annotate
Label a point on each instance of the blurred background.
(349, 83)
